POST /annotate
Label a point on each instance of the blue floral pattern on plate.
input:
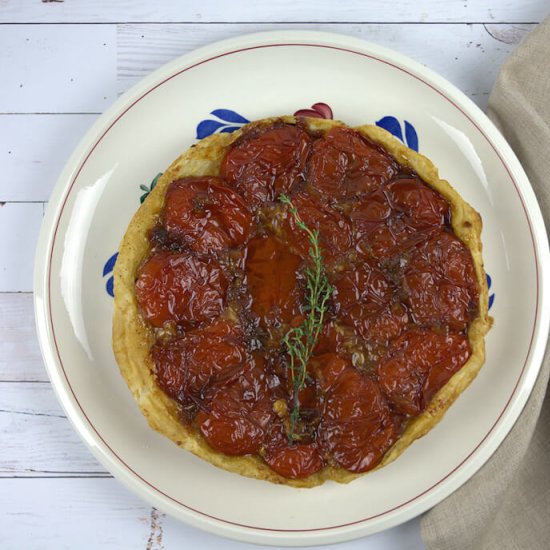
(227, 121)
(406, 133)
(491, 296)
(108, 270)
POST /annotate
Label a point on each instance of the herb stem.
(301, 341)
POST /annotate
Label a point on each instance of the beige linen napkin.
(506, 505)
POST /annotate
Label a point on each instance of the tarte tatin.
(300, 241)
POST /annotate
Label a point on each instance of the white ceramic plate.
(253, 77)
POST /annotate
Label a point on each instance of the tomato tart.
(298, 301)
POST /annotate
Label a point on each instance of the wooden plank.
(19, 228)
(178, 535)
(100, 513)
(20, 358)
(75, 513)
(62, 69)
(467, 55)
(202, 11)
(37, 438)
(33, 151)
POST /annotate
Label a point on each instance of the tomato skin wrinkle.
(420, 363)
(295, 461)
(185, 365)
(358, 426)
(364, 284)
(263, 164)
(343, 165)
(441, 283)
(397, 217)
(237, 411)
(180, 287)
(334, 229)
(205, 215)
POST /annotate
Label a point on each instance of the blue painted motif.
(110, 263)
(409, 137)
(228, 121)
(107, 270)
(491, 296)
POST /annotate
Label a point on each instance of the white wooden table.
(61, 64)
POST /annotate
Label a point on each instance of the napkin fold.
(506, 504)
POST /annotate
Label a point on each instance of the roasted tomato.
(180, 287)
(343, 165)
(266, 162)
(418, 203)
(334, 229)
(419, 363)
(205, 215)
(331, 338)
(272, 278)
(237, 410)
(365, 299)
(327, 368)
(381, 327)
(441, 283)
(363, 285)
(358, 426)
(397, 217)
(185, 366)
(293, 460)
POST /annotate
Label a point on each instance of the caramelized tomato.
(397, 217)
(419, 364)
(185, 365)
(266, 162)
(237, 410)
(358, 426)
(381, 327)
(294, 460)
(441, 283)
(365, 300)
(343, 165)
(363, 285)
(420, 205)
(205, 215)
(180, 287)
(272, 278)
(334, 229)
(327, 368)
(330, 339)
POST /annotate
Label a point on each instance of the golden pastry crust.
(133, 338)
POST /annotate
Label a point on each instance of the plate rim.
(115, 464)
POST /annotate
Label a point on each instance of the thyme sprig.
(301, 341)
